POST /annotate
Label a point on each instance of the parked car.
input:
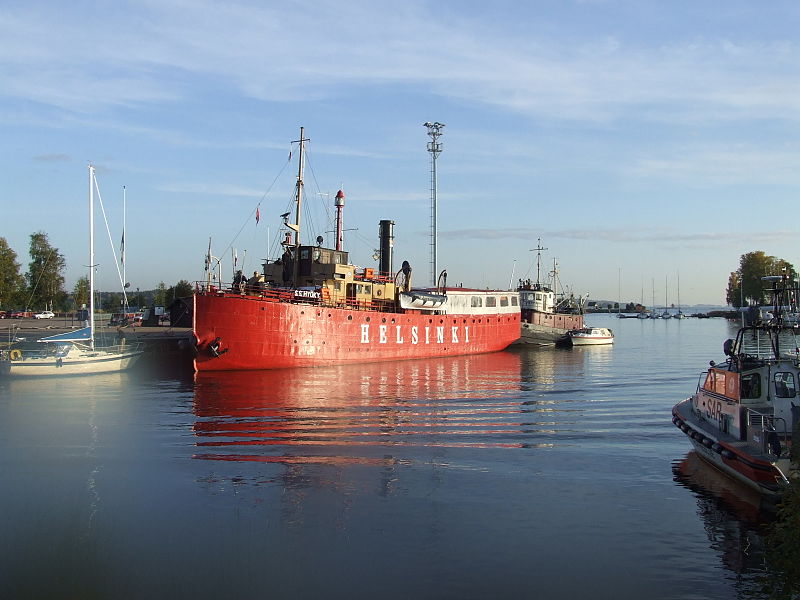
(15, 314)
(45, 314)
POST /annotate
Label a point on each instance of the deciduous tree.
(160, 297)
(745, 285)
(81, 292)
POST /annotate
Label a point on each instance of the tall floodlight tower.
(435, 148)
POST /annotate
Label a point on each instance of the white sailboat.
(666, 314)
(73, 352)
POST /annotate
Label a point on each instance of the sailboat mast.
(124, 264)
(91, 256)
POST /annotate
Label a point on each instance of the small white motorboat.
(591, 336)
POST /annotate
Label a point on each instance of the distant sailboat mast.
(91, 256)
(122, 252)
(653, 284)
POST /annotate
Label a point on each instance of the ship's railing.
(767, 430)
(291, 295)
(369, 274)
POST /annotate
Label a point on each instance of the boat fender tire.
(728, 454)
(15, 354)
(708, 442)
(716, 448)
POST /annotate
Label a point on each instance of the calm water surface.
(537, 473)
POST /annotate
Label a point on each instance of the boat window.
(750, 386)
(784, 385)
(337, 285)
(491, 301)
(514, 301)
(367, 289)
(304, 254)
(503, 300)
(476, 301)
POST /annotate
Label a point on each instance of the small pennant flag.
(258, 215)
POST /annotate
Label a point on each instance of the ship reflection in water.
(469, 401)
(734, 515)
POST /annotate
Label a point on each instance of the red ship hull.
(238, 332)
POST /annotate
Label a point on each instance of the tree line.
(42, 285)
(745, 287)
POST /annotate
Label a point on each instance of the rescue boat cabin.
(749, 397)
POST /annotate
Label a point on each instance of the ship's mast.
(299, 200)
(538, 251)
(339, 203)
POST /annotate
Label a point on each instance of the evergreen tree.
(45, 274)
(12, 282)
(183, 289)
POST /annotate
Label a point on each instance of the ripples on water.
(534, 472)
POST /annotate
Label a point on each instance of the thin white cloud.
(52, 158)
(623, 235)
(729, 165)
(145, 53)
(210, 190)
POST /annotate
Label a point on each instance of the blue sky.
(641, 141)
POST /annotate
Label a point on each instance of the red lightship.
(312, 308)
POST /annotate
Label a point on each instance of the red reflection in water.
(459, 401)
(696, 474)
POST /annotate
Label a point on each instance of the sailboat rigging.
(73, 352)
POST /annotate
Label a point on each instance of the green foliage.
(745, 286)
(12, 283)
(182, 289)
(783, 547)
(80, 293)
(160, 297)
(45, 274)
(733, 295)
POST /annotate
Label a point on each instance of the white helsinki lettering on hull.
(457, 334)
